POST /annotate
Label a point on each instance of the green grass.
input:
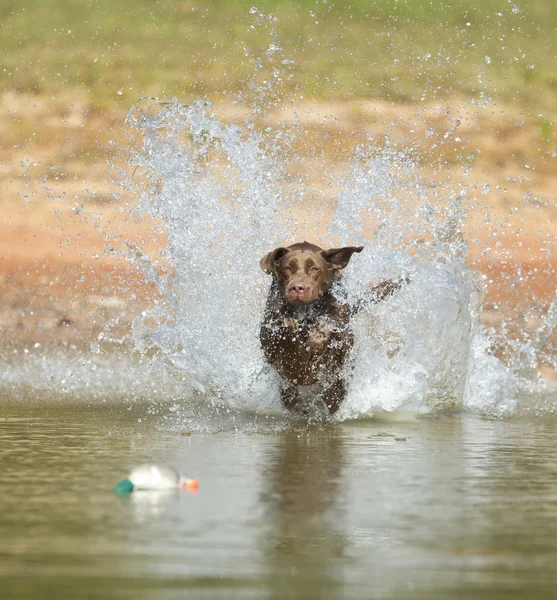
(410, 51)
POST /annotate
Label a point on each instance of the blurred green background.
(410, 51)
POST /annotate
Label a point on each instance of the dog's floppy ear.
(268, 262)
(338, 258)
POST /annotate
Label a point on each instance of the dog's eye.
(314, 269)
(288, 268)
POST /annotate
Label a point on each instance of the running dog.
(306, 333)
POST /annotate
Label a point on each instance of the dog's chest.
(309, 333)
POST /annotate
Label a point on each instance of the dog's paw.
(318, 340)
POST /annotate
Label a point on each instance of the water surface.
(433, 507)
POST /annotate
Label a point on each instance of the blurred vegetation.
(409, 51)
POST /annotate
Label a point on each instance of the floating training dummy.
(155, 477)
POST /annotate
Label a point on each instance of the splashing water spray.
(219, 195)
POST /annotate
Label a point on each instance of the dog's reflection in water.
(303, 498)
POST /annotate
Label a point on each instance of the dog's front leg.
(289, 394)
(318, 338)
(387, 288)
(333, 395)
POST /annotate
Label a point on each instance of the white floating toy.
(155, 477)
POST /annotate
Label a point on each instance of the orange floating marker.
(190, 484)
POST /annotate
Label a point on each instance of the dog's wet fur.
(306, 333)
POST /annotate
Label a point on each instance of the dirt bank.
(66, 222)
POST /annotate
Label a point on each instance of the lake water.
(446, 506)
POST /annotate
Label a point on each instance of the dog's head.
(304, 271)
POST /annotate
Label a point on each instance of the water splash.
(216, 192)
(224, 197)
(224, 203)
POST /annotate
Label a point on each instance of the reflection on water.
(430, 508)
(303, 498)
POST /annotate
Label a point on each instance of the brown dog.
(306, 333)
